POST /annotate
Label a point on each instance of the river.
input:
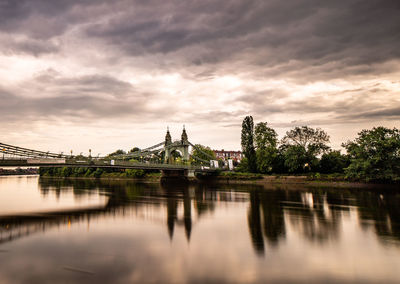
(97, 231)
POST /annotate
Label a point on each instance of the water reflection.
(228, 223)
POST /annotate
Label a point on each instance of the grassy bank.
(311, 179)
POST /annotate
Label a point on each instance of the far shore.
(269, 182)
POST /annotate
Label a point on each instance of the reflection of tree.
(254, 221)
(274, 224)
(271, 222)
(311, 214)
(203, 198)
(383, 209)
(187, 216)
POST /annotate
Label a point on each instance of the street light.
(3, 152)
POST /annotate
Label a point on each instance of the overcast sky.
(114, 74)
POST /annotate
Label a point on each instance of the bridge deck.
(99, 164)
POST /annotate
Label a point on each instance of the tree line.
(372, 156)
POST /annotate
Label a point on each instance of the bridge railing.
(116, 163)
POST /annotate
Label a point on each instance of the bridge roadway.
(101, 164)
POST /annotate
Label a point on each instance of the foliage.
(301, 146)
(266, 152)
(312, 140)
(116, 153)
(241, 175)
(265, 136)
(333, 162)
(266, 158)
(98, 172)
(295, 159)
(202, 152)
(279, 163)
(135, 173)
(134, 149)
(91, 172)
(247, 141)
(375, 155)
(243, 166)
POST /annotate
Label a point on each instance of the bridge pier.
(174, 176)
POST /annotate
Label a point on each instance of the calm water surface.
(77, 231)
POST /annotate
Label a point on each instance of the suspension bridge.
(159, 156)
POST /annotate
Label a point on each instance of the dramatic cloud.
(139, 66)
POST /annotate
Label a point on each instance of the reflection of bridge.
(157, 157)
(184, 206)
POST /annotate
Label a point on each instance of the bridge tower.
(185, 144)
(167, 147)
(182, 146)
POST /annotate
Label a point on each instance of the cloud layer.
(142, 65)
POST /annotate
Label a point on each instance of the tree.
(203, 153)
(266, 151)
(295, 159)
(375, 154)
(248, 143)
(265, 136)
(134, 149)
(306, 144)
(116, 153)
(333, 162)
(243, 166)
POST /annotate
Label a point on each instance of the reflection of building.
(225, 155)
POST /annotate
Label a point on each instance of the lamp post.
(3, 152)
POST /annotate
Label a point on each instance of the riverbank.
(18, 172)
(268, 182)
(296, 182)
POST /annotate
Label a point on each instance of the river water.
(86, 231)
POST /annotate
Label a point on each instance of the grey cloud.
(265, 38)
(259, 33)
(345, 106)
(87, 85)
(90, 97)
(42, 18)
(15, 107)
(387, 114)
(28, 46)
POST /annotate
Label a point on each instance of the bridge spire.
(184, 137)
(168, 139)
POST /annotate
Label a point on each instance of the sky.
(107, 75)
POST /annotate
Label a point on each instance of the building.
(226, 155)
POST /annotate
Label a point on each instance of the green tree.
(302, 145)
(202, 152)
(375, 154)
(295, 159)
(134, 149)
(333, 162)
(135, 173)
(66, 171)
(243, 166)
(266, 140)
(98, 172)
(248, 143)
(116, 153)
